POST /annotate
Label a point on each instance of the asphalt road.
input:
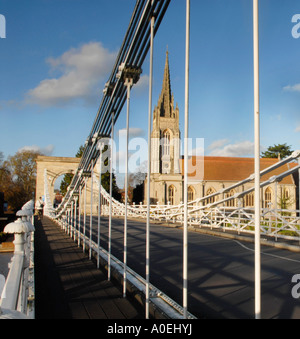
(221, 271)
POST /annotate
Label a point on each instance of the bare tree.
(18, 178)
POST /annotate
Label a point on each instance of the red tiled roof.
(231, 168)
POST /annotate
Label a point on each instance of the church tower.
(166, 180)
(165, 133)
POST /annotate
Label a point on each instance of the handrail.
(17, 298)
(10, 295)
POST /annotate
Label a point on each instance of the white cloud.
(218, 144)
(197, 152)
(81, 70)
(133, 132)
(294, 88)
(48, 150)
(241, 149)
(297, 129)
(143, 84)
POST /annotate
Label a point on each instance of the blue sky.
(58, 54)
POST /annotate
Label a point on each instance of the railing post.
(79, 215)
(69, 220)
(72, 219)
(298, 188)
(130, 76)
(101, 147)
(91, 210)
(185, 232)
(15, 290)
(257, 160)
(84, 215)
(75, 217)
(110, 192)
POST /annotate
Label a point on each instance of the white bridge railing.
(17, 297)
(276, 223)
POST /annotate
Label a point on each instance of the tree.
(282, 150)
(136, 180)
(285, 201)
(18, 178)
(6, 183)
(65, 183)
(80, 152)
(105, 179)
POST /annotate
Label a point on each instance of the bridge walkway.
(69, 285)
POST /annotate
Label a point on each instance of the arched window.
(191, 194)
(210, 200)
(231, 202)
(268, 197)
(286, 194)
(171, 195)
(249, 200)
(166, 143)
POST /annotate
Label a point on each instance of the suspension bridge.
(201, 258)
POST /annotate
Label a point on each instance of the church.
(211, 174)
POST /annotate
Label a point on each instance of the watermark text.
(2, 27)
(296, 27)
(166, 156)
(296, 287)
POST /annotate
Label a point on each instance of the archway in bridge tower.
(60, 185)
(50, 171)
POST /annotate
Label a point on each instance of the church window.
(171, 195)
(210, 200)
(191, 194)
(231, 202)
(286, 194)
(268, 197)
(166, 143)
(249, 200)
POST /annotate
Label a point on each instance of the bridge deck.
(68, 284)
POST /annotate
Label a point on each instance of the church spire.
(165, 100)
(165, 158)
(166, 91)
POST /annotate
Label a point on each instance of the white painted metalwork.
(147, 309)
(168, 306)
(216, 215)
(84, 215)
(110, 194)
(186, 161)
(257, 161)
(100, 146)
(271, 222)
(18, 295)
(274, 223)
(128, 84)
(79, 215)
(91, 211)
